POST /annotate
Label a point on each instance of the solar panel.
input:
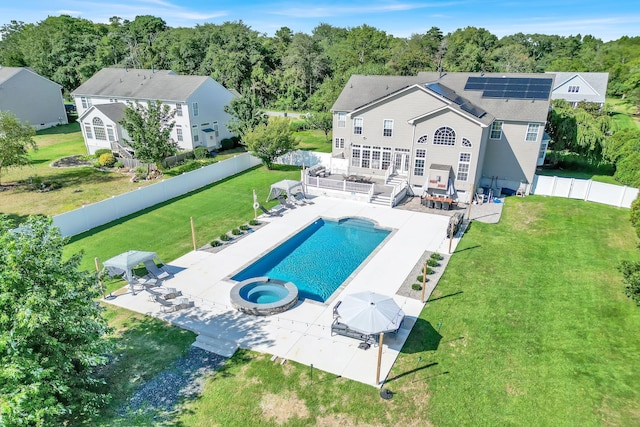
(451, 95)
(511, 87)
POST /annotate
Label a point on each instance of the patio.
(303, 333)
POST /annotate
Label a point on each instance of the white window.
(195, 109)
(386, 157)
(179, 133)
(357, 125)
(87, 131)
(98, 129)
(376, 153)
(387, 128)
(464, 163)
(496, 130)
(342, 120)
(86, 102)
(466, 143)
(110, 134)
(444, 136)
(574, 89)
(339, 142)
(356, 153)
(423, 139)
(366, 156)
(215, 129)
(532, 132)
(179, 110)
(418, 169)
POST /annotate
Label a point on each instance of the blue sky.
(607, 20)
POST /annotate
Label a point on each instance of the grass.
(528, 326)
(623, 114)
(314, 140)
(166, 228)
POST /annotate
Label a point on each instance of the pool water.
(320, 257)
(263, 293)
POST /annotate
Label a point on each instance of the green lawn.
(529, 326)
(314, 140)
(622, 114)
(166, 228)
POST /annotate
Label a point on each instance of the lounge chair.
(155, 271)
(178, 304)
(301, 199)
(164, 293)
(284, 203)
(270, 212)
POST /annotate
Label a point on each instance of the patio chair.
(270, 212)
(301, 200)
(155, 271)
(438, 204)
(284, 203)
(164, 293)
(178, 304)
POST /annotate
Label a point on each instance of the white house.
(575, 87)
(31, 97)
(198, 101)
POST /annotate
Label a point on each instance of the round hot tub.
(262, 296)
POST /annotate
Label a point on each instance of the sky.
(602, 19)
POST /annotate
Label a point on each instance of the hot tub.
(262, 296)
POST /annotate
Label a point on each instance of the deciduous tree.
(51, 329)
(270, 141)
(16, 138)
(246, 113)
(321, 121)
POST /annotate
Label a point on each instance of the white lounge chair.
(156, 271)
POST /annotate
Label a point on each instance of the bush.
(200, 152)
(244, 227)
(100, 152)
(141, 173)
(118, 164)
(215, 243)
(107, 159)
(227, 144)
(96, 164)
(433, 263)
(635, 215)
(298, 125)
(421, 277)
(224, 237)
(254, 222)
(437, 256)
(236, 231)
(416, 287)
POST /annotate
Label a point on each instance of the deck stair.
(395, 180)
(216, 345)
(381, 199)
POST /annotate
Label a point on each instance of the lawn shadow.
(423, 337)
(444, 296)
(60, 129)
(412, 371)
(457, 251)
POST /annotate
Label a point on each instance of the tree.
(272, 140)
(15, 140)
(631, 278)
(149, 129)
(51, 330)
(321, 121)
(246, 113)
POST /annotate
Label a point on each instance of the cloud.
(328, 11)
(68, 12)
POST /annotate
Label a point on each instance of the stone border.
(255, 309)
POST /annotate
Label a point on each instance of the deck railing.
(344, 185)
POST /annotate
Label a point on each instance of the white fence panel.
(599, 192)
(105, 211)
(306, 158)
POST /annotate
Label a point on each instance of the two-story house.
(31, 97)
(200, 119)
(444, 132)
(575, 87)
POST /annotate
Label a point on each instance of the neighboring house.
(31, 97)
(198, 100)
(444, 131)
(575, 87)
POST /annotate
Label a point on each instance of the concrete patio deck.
(303, 333)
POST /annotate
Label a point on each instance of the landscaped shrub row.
(236, 232)
(431, 262)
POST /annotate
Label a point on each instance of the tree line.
(299, 71)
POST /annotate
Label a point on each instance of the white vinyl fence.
(588, 190)
(306, 158)
(105, 211)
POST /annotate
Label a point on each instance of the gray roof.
(163, 85)
(362, 90)
(114, 111)
(7, 72)
(597, 81)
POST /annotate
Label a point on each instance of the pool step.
(216, 345)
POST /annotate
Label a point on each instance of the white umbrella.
(370, 313)
(450, 188)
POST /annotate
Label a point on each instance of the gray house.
(577, 86)
(444, 133)
(198, 101)
(31, 97)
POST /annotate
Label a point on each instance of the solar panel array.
(511, 87)
(451, 95)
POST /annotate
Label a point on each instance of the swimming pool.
(320, 257)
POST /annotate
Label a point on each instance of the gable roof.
(361, 90)
(140, 84)
(114, 111)
(8, 72)
(596, 81)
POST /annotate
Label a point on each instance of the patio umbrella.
(450, 189)
(370, 313)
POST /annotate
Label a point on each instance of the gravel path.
(185, 379)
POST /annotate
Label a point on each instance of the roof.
(596, 81)
(114, 111)
(140, 84)
(7, 72)
(361, 90)
(436, 166)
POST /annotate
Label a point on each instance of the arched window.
(444, 136)
(466, 143)
(423, 139)
(98, 129)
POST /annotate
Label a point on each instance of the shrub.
(416, 287)
(227, 144)
(200, 152)
(118, 164)
(433, 263)
(236, 231)
(254, 222)
(107, 159)
(635, 215)
(244, 227)
(224, 237)
(215, 243)
(298, 125)
(100, 152)
(421, 277)
(96, 164)
(436, 256)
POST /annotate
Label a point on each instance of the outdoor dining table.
(432, 201)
